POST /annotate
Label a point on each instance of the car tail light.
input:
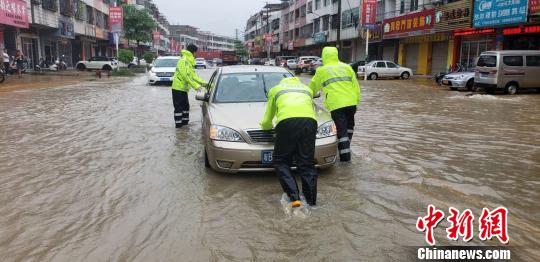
(493, 72)
(476, 71)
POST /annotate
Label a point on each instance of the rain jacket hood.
(189, 57)
(185, 77)
(330, 55)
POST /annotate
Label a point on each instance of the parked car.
(200, 63)
(356, 64)
(291, 64)
(459, 80)
(384, 69)
(304, 62)
(97, 63)
(314, 65)
(163, 70)
(508, 71)
(282, 60)
(237, 144)
(270, 62)
(217, 61)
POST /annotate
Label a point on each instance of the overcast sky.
(217, 16)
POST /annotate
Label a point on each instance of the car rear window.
(513, 60)
(487, 61)
(533, 60)
(165, 62)
(246, 88)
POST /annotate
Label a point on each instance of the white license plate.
(164, 79)
(266, 156)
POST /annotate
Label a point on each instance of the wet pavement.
(97, 172)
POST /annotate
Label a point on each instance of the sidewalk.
(32, 80)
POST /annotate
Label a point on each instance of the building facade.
(205, 41)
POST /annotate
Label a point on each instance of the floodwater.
(97, 172)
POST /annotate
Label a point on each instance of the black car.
(356, 64)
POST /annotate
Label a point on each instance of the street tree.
(138, 26)
(240, 49)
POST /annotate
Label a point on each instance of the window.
(246, 88)
(391, 65)
(66, 8)
(533, 60)
(79, 7)
(49, 4)
(90, 14)
(335, 21)
(414, 5)
(326, 23)
(402, 6)
(303, 11)
(380, 65)
(513, 60)
(308, 30)
(326, 2)
(316, 25)
(350, 17)
(317, 4)
(487, 61)
(310, 7)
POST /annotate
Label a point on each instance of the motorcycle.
(2, 73)
(61, 64)
(439, 77)
(45, 65)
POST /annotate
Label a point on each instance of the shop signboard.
(291, 45)
(14, 13)
(453, 16)
(375, 33)
(499, 12)
(369, 13)
(409, 25)
(156, 37)
(534, 7)
(522, 30)
(116, 19)
(319, 38)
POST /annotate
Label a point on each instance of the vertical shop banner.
(116, 19)
(499, 12)
(157, 37)
(14, 13)
(268, 39)
(534, 7)
(369, 13)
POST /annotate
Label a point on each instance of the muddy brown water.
(97, 172)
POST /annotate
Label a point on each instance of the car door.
(204, 105)
(380, 69)
(513, 69)
(392, 69)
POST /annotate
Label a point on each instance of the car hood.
(455, 74)
(241, 116)
(163, 69)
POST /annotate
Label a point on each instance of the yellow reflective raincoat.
(337, 80)
(185, 76)
(289, 99)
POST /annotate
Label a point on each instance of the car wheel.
(81, 67)
(206, 161)
(373, 76)
(405, 75)
(204, 67)
(107, 68)
(511, 89)
(470, 85)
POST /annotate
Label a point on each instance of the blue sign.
(499, 12)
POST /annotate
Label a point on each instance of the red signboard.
(14, 13)
(369, 12)
(522, 30)
(534, 6)
(409, 25)
(116, 19)
(157, 37)
(472, 31)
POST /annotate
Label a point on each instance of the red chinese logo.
(494, 224)
(460, 224)
(430, 222)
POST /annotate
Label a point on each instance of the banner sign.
(157, 37)
(409, 25)
(499, 12)
(369, 12)
(534, 7)
(319, 38)
(375, 33)
(14, 13)
(116, 19)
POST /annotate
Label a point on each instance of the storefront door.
(30, 51)
(439, 57)
(471, 50)
(411, 60)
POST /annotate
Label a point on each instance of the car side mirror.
(317, 95)
(202, 95)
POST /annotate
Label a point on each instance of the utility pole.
(268, 31)
(338, 41)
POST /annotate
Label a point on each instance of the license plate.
(266, 156)
(164, 79)
(445, 82)
(484, 74)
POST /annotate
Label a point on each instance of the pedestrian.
(184, 79)
(5, 57)
(296, 129)
(342, 95)
(19, 62)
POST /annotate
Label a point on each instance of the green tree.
(149, 57)
(125, 56)
(240, 49)
(138, 26)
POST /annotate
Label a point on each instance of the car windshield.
(247, 88)
(487, 61)
(371, 63)
(166, 63)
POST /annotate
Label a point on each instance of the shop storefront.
(65, 37)
(470, 43)
(522, 38)
(13, 17)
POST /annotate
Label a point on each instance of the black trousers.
(295, 140)
(181, 107)
(344, 119)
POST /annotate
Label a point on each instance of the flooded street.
(97, 172)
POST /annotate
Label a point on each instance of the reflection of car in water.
(163, 70)
(233, 106)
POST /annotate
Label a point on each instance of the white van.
(508, 70)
